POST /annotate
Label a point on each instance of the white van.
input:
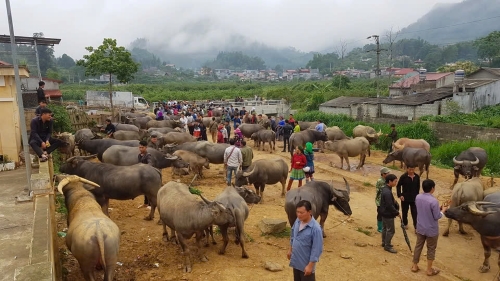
(140, 103)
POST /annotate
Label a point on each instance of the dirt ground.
(352, 248)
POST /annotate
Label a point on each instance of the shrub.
(62, 121)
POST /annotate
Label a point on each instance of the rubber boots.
(379, 226)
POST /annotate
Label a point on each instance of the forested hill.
(481, 18)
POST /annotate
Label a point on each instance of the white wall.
(483, 96)
(335, 110)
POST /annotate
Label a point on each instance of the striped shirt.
(307, 244)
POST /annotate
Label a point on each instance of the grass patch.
(249, 238)
(364, 231)
(283, 234)
(60, 204)
(367, 184)
(442, 156)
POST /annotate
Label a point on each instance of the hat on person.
(385, 170)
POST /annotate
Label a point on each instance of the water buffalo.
(163, 123)
(484, 217)
(206, 120)
(127, 117)
(214, 152)
(140, 122)
(67, 147)
(196, 162)
(92, 237)
(99, 146)
(415, 143)
(335, 133)
(349, 148)
(469, 163)
(303, 137)
(130, 135)
(368, 132)
(85, 134)
(467, 191)
(164, 130)
(264, 136)
(412, 157)
(185, 216)
(121, 155)
(491, 190)
(117, 182)
(177, 138)
(262, 172)
(233, 201)
(307, 125)
(126, 127)
(248, 129)
(321, 195)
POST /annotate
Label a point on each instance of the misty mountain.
(480, 17)
(285, 57)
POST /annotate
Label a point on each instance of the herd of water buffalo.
(93, 238)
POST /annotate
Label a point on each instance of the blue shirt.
(307, 244)
(281, 123)
(320, 127)
(428, 214)
(236, 121)
(309, 159)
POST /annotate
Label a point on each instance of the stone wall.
(450, 132)
(44, 263)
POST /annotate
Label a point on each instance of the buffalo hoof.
(148, 218)
(222, 252)
(324, 235)
(244, 256)
(446, 233)
(187, 269)
(484, 268)
(214, 242)
(165, 238)
(283, 194)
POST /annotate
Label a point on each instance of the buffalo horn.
(472, 206)
(172, 157)
(71, 179)
(370, 135)
(171, 145)
(347, 187)
(246, 174)
(456, 162)
(222, 207)
(379, 132)
(475, 162)
(88, 157)
(205, 199)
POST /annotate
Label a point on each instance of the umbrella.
(406, 235)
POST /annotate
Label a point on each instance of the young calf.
(93, 238)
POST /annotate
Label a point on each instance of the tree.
(489, 47)
(65, 61)
(467, 66)
(391, 38)
(52, 73)
(45, 55)
(112, 60)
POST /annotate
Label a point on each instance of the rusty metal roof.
(42, 41)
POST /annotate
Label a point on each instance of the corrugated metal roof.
(429, 76)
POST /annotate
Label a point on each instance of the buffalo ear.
(456, 167)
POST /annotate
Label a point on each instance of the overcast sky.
(191, 25)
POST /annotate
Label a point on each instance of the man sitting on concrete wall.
(41, 140)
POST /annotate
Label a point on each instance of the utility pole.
(378, 50)
(22, 119)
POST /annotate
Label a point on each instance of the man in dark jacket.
(145, 158)
(407, 189)
(393, 136)
(110, 129)
(287, 132)
(388, 210)
(40, 93)
(41, 135)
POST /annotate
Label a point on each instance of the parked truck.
(120, 99)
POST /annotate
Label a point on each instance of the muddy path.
(352, 249)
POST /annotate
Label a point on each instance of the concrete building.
(485, 73)
(10, 130)
(409, 108)
(475, 94)
(417, 83)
